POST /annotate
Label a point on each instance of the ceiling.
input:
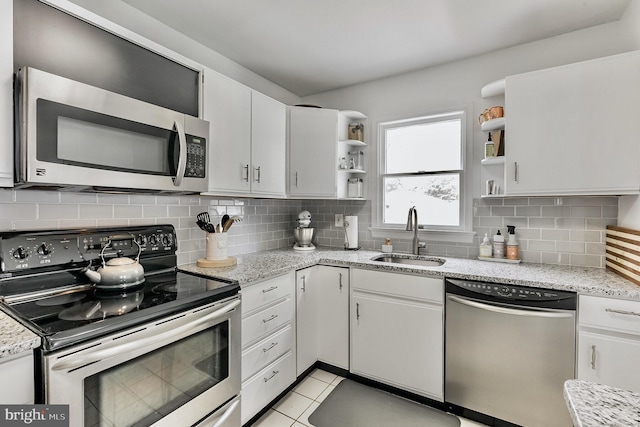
(312, 46)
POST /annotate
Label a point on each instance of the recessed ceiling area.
(311, 46)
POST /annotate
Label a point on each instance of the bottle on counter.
(485, 247)
(387, 247)
(498, 245)
(512, 244)
(488, 147)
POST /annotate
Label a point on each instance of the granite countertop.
(592, 405)
(585, 280)
(15, 338)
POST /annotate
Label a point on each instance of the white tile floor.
(294, 409)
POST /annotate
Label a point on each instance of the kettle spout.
(94, 276)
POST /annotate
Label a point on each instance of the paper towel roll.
(351, 232)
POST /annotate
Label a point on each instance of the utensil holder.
(216, 246)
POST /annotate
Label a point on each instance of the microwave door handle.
(107, 350)
(182, 157)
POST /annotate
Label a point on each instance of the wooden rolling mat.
(203, 262)
(623, 252)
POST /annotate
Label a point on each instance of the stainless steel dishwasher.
(509, 350)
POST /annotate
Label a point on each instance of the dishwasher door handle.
(511, 311)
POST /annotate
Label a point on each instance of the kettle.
(117, 273)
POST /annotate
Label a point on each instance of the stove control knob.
(141, 240)
(44, 249)
(153, 240)
(20, 253)
(167, 240)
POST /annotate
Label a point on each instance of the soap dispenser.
(485, 247)
(512, 244)
(498, 245)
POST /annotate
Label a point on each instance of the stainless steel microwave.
(70, 135)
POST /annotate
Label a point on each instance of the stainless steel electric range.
(127, 339)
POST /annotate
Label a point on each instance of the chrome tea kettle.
(117, 273)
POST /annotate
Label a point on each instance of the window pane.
(436, 197)
(425, 147)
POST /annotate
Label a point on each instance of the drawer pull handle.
(626, 313)
(273, 344)
(273, 316)
(273, 374)
(273, 288)
(593, 357)
(304, 284)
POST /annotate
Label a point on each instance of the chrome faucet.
(412, 225)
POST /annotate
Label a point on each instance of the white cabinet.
(333, 315)
(318, 140)
(306, 318)
(397, 330)
(268, 342)
(247, 145)
(574, 129)
(6, 94)
(313, 160)
(609, 342)
(17, 376)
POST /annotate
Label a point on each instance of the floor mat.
(352, 404)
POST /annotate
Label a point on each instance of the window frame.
(461, 233)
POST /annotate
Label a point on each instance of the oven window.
(143, 390)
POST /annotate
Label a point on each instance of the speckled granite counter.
(585, 280)
(592, 405)
(15, 338)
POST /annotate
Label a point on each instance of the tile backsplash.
(562, 230)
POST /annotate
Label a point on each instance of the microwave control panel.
(196, 157)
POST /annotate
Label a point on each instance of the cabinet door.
(609, 359)
(306, 319)
(17, 375)
(574, 129)
(333, 315)
(227, 106)
(398, 342)
(313, 139)
(6, 94)
(268, 146)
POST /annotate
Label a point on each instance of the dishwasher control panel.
(507, 292)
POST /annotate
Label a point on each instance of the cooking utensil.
(223, 222)
(117, 273)
(227, 225)
(202, 225)
(204, 217)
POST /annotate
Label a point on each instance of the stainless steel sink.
(411, 260)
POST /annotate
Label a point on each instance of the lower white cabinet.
(397, 330)
(333, 315)
(268, 350)
(306, 318)
(17, 376)
(609, 342)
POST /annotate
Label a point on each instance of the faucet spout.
(412, 225)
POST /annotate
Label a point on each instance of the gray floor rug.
(352, 404)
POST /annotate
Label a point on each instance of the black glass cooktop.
(84, 312)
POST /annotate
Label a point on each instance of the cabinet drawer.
(612, 314)
(266, 321)
(266, 351)
(255, 296)
(266, 385)
(403, 285)
(17, 376)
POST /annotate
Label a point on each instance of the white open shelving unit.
(346, 146)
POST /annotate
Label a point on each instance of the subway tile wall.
(563, 230)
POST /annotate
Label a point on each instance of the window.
(422, 166)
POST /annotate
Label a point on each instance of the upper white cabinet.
(6, 94)
(574, 129)
(313, 159)
(322, 156)
(248, 139)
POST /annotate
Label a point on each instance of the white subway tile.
(46, 211)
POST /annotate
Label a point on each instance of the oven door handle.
(511, 311)
(114, 348)
(182, 157)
